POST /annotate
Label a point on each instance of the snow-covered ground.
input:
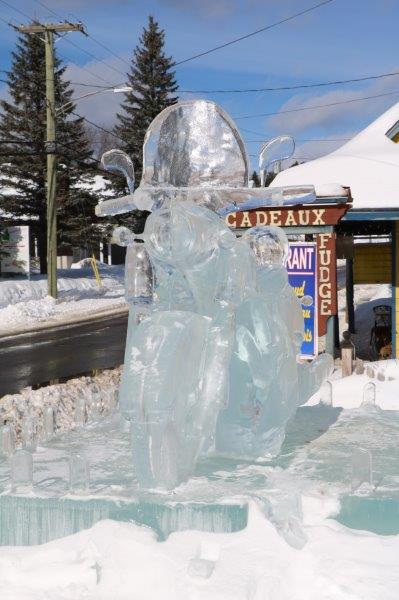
(24, 304)
(121, 561)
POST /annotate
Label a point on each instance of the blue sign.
(302, 276)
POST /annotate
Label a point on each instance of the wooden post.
(395, 289)
(48, 29)
(350, 308)
(347, 354)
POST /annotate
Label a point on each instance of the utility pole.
(49, 29)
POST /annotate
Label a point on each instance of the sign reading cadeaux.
(15, 242)
(302, 275)
(296, 216)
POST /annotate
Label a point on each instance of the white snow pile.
(348, 392)
(25, 303)
(122, 561)
(62, 397)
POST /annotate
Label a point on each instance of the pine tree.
(255, 179)
(153, 88)
(23, 172)
(2, 239)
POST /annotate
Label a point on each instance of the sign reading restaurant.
(305, 216)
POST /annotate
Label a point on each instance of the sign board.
(327, 279)
(302, 275)
(294, 216)
(15, 242)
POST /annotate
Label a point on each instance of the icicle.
(78, 474)
(22, 472)
(369, 394)
(29, 433)
(361, 468)
(7, 440)
(326, 393)
(80, 412)
(48, 423)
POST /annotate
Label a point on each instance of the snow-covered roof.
(368, 164)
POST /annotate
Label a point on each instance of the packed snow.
(348, 392)
(117, 561)
(25, 304)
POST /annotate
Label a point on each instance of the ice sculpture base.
(51, 511)
(38, 520)
(316, 455)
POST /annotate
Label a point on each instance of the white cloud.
(100, 108)
(337, 115)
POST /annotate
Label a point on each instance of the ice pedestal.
(27, 521)
(316, 455)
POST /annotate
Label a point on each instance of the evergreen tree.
(153, 84)
(23, 172)
(269, 178)
(2, 240)
(255, 179)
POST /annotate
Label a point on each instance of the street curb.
(62, 324)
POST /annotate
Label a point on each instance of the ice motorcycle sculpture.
(214, 327)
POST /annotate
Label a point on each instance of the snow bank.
(24, 303)
(347, 392)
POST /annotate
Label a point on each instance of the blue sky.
(341, 40)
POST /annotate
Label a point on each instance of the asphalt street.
(63, 351)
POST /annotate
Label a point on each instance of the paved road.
(64, 351)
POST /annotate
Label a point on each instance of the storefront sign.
(327, 279)
(302, 276)
(15, 242)
(296, 216)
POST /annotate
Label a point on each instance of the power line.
(292, 87)
(99, 126)
(90, 73)
(79, 47)
(292, 110)
(69, 41)
(86, 33)
(300, 140)
(93, 56)
(248, 35)
(109, 50)
(93, 85)
(16, 9)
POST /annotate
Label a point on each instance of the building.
(369, 165)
